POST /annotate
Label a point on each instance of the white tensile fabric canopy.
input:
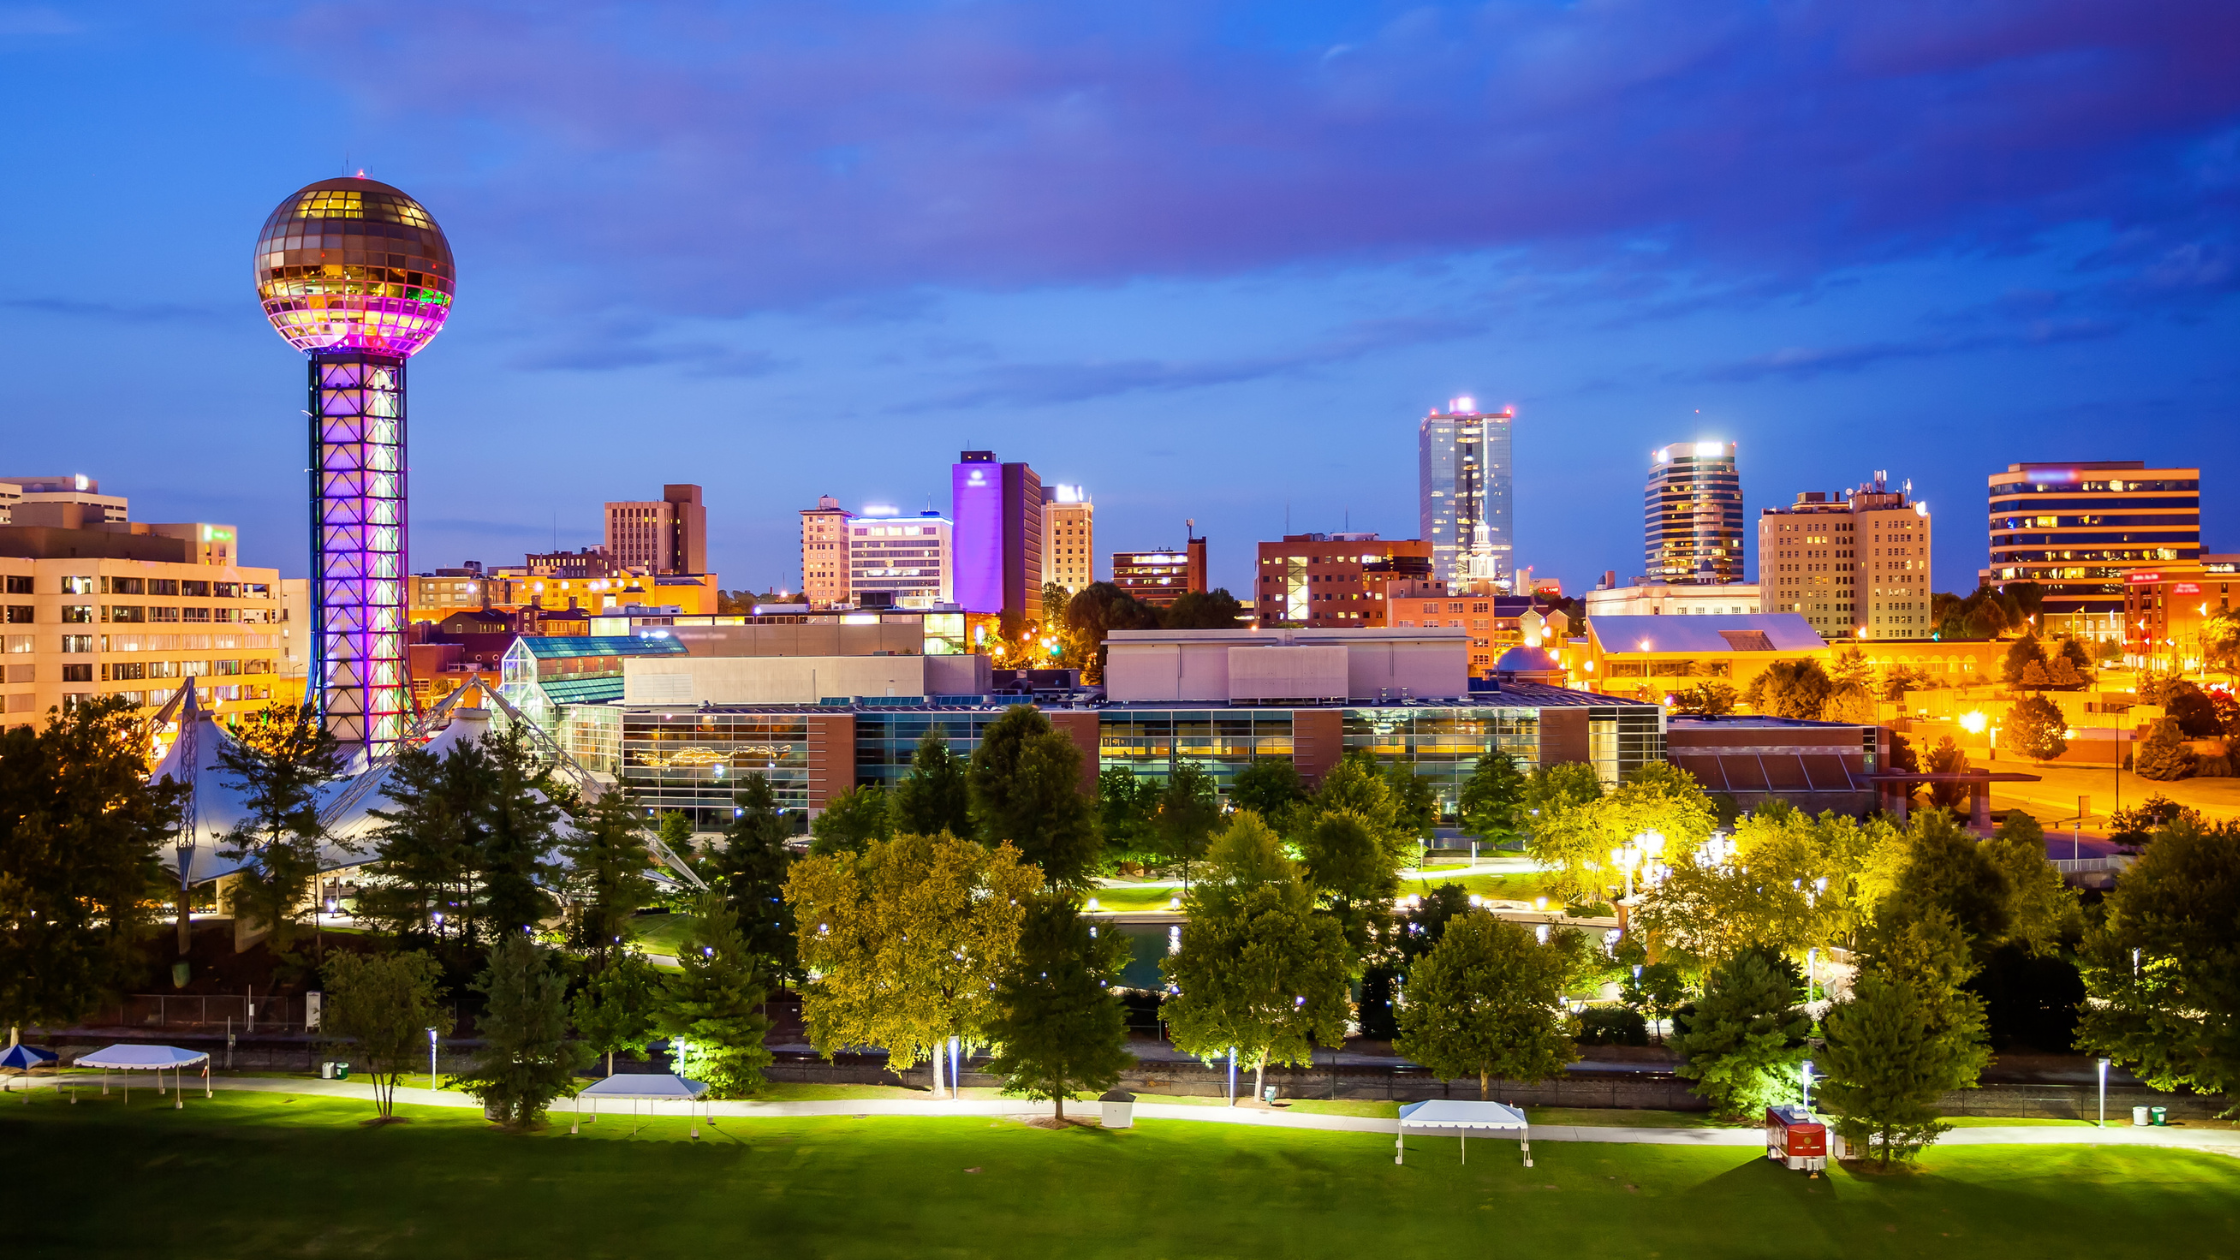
(651, 1088)
(1460, 1117)
(156, 1059)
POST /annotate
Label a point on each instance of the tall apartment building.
(128, 608)
(997, 545)
(1069, 538)
(2076, 529)
(1855, 564)
(901, 562)
(824, 553)
(1692, 515)
(1463, 492)
(1325, 580)
(665, 535)
(1161, 577)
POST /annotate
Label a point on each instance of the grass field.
(265, 1175)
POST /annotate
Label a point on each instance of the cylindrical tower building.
(1692, 515)
(358, 276)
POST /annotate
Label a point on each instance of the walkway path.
(2223, 1141)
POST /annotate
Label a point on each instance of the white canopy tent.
(1460, 1117)
(650, 1088)
(156, 1059)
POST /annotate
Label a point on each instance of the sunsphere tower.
(358, 276)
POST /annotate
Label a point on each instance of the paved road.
(2222, 1141)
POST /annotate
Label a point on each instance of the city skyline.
(2058, 312)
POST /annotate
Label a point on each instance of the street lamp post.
(2103, 1093)
(431, 1060)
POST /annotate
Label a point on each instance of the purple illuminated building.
(358, 276)
(998, 513)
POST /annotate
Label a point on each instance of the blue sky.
(1212, 261)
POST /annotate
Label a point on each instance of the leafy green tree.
(1492, 804)
(615, 1008)
(520, 831)
(1657, 990)
(2025, 652)
(1885, 1068)
(1094, 612)
(1853, 703)
(382, 1005)
(1026, 790)
(1269, 787)
(1355, 870)
(527, 1058)
(1745, 1041)
(606, 881)
(280, 762)
(80, 828)
(1355, 784)
(852, 820)
(1705, 699)
(2161, 969)
(904, 942)
(936, 794)
(1216, 609)
(2043, 912)
(1415, 802)
(1257, 970)
(1125, 808)
(2036, 729)
(1488, 1002)
(1058, 1027)
(709, 1010)
(1947, 871)
(1790, 689)
(2163, 755)
(751, 869)
(1187, 813)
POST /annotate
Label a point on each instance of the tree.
(79, 832)
(1885, 1068)
(2043, 912)
(935, 795)
(1257, 971)
(427, 845)
(2025, 652)
(1790, 689)
(751, 870)
(852, 820)
(1125, 807)
(1204, 610)
(280, 762)
(1026, 790)
(1744, 1042)
(1948, 758)
(1487, 1002)
(1187, 813)
(1098, 609)
(1947, 872)
(518, 836)
(1657, 989)
(1564, 833)
(1852, 669)
(383, 1005)
(1853, 703)
(2036, 729)
(2189, 706)
(1354, 869)
(905, 941)
(1269, 787)
(1355, 784)
(2161, 968)
(606, 881)
(1492, 803)
(709, 1010)
(615, 1008)
(2163, 755)
(527, 1058)
(1705, 699)
(1058, 1027)
(1415, 803)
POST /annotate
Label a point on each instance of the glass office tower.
(1692, 515)
(1464, 494)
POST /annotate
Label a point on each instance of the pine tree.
(709, 1011)
(2163, 755)
(520, 831)
(750, 869)
(425, 850)
(1026, 790)
(614, 1010)
(606, 881)
(1187, 813)
(936, 795)
(282, 761)
(1879, 1066)
(2025, 652)
(1487, 1002)
(527, 1058)
(1744, 1043)
(1058, 1027)
(1492, 805)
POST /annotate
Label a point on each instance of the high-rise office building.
(1069, 538)
(1692, 515)
(1163, 576)
(900, 561)
(1325, 580)
(1854, 564)
(824, 553)
(1464, 494)
(75, 488)
(998, 539)
(2076, 529)
(665, 535)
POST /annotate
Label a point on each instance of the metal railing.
(243, 1013)
(2079, 866)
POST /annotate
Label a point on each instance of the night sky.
(1211, 261)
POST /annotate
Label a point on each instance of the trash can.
(326, 1071)
(342, 1071)
(1119, 1109)
(2140, 1116)
(2158, 1115)
(1270, 1099)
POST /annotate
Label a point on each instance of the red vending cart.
(1797, 1138)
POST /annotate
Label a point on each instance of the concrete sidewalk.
(2222, 1141)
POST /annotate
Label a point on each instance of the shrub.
(1612, 1026)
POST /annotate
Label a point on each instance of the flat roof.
(1715, 632)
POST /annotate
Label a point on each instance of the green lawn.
(265, 1175)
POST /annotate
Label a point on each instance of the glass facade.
(353, 264)
(1444, 744)
(1152, 742)
(885, 741)
(689, 761)
(1692, 515)
(1464, 491)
